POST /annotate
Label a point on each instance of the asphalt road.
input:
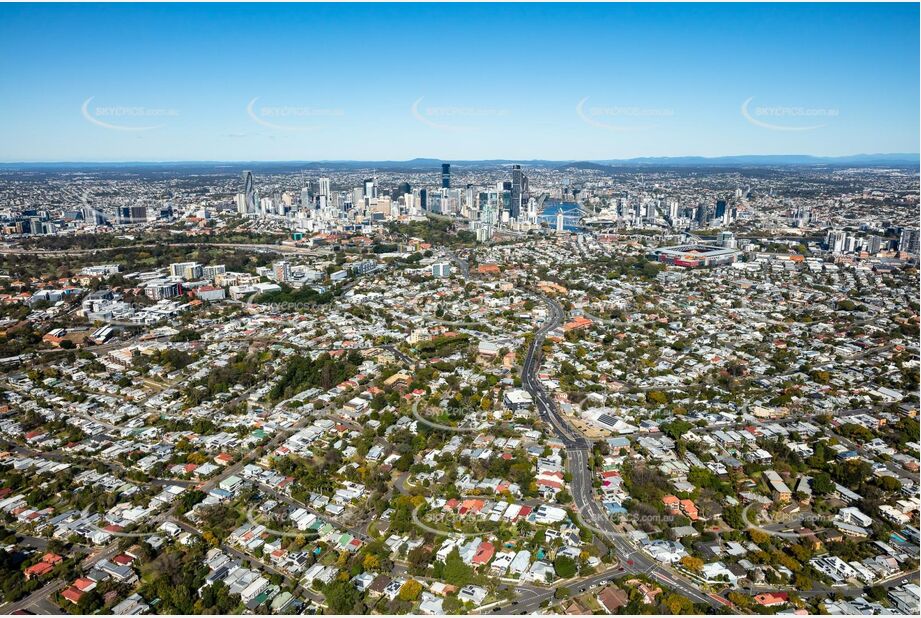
(591, 512)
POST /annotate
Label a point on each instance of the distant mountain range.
(419, 164)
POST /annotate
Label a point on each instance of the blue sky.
(354, 81)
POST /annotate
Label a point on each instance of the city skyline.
(584, 82)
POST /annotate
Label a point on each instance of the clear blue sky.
(495, 81)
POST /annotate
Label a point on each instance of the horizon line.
(904, 155)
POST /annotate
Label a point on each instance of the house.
(431, 605)
(72, 594)
(37, 570)
(771, 599)
(689, 509)
(613, 599)
(474, 594)
(672, 504)
(781, 491)
(484, 553)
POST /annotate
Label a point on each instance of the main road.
(578, 450)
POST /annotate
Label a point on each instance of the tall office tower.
(650, 210)
(909, 240)
(703, 215)
(91, 216)
(132, 214)
(370, 188)
(560, 227)
(249, 191)
(721, 209)
(673, 210)
(324, 187)
(306, 203)
(532, 211)
(519, 191)
(423, 199)
(402, 189)
(874, 243)
(445, 175)
(358, 198)
(802, 216)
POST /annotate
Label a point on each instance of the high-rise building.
(93, 217)
(835, 240)
(726, 239)
(519, 192)
(673, 210)
(704, 214)
(249, 192)
(281, 271)
(445, 175)
(324, 187)
(909, 240)
(132, 214)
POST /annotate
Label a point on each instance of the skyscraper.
(519, 194)
(909, 240)
(249, 192)
(132, 214)
(324, 187)
(445, 175)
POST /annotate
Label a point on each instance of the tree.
(341, 597)
(565, 567)
(456, 572)
(678, 604)
(410, 591)
(693, 564)
(822, 484)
